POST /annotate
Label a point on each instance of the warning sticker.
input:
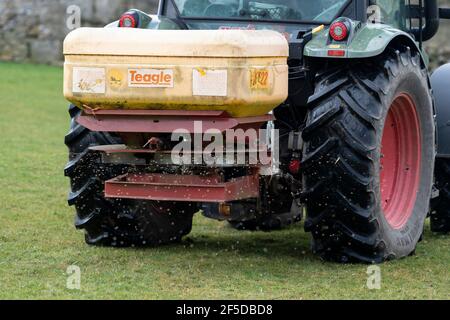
(150, 78)
(259, 79)
(213, 83)
(115, 78)
(89, 80)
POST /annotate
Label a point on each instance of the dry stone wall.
(33, 30)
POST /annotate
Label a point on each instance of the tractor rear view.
(256, 113)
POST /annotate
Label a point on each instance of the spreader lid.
(176, 43)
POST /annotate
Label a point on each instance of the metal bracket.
(295, 142)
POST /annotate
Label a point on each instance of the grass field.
(38, 241)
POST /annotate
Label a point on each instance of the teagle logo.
(150, 78)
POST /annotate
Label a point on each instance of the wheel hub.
(400, 161)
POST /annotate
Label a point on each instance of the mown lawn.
(38, 241)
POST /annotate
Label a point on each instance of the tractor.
(354, 129)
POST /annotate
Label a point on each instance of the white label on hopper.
(213, 83)
(89, 80)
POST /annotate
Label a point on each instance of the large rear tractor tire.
(368, 158)
(440, 214)
(116, 222)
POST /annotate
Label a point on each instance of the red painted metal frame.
(182, 188)
(185, 188)
(164, 121)
(149, 151)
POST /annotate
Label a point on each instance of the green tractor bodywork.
(361, 129)
(369, 41)
(388, 21)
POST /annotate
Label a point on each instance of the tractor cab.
(283, 16)
(420, 18)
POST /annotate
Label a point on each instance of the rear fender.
(366, 40)
(440, 83)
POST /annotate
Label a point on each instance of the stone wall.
(33, 30)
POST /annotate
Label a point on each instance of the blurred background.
(33, 30)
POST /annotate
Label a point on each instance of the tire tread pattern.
(339, 160)
(111, 222)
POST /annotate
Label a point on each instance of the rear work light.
(339, 31)
(129, 20)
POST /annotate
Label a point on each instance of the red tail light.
(294, 166)
(128, 20)
(339, 31)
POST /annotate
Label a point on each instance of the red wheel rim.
(400, 161)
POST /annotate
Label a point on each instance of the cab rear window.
(276, 10)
